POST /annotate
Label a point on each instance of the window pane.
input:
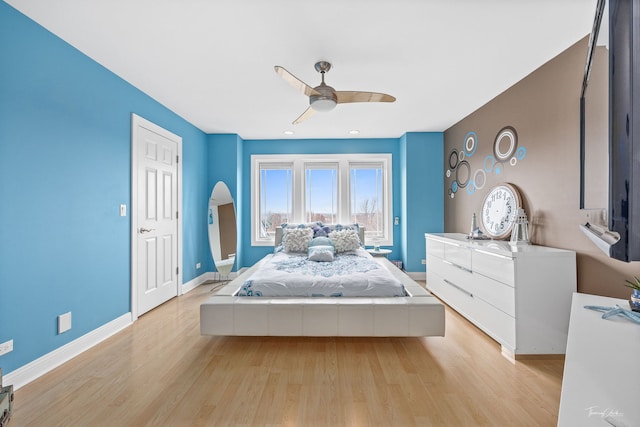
(275, 200)
(367, 201)
(321, 194)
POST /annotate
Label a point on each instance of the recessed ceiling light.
(354, 132)
(288, 132)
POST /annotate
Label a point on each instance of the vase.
(635, 300)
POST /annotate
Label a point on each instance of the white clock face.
(499, 210)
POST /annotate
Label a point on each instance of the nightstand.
(379, 252)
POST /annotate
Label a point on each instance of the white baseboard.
(197, 281)
(33, 370)
(417, 275)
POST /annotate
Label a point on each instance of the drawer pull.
(464, 291)
(495, 255)
(457, 266)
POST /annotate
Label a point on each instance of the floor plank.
(161, 372)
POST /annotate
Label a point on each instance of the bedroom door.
(155, 225)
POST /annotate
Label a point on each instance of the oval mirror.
(222, 229)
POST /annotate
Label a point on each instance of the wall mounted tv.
(622, 238)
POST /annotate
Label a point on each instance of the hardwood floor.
(160, 371)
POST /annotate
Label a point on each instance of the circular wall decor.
(463, 173)
(506, 138)
(471, 187)
(513, 161)
(454, 186)
(521, 153)
(448, 173)
(453, 159)
(470, 143)
(489, 167)
(499, 210)
(480, 179)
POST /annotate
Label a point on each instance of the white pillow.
(322, 253)
(345, 240)
(296, 239)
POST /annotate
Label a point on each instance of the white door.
(155, 271)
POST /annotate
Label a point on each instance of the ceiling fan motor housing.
(327, 99)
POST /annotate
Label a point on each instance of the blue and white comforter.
(351, 274)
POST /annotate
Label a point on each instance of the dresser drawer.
(435, 248)
(496, 323)
(450, 271)
(458, 254)
(496, 293)
(495, 266)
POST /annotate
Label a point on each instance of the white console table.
(601, 376)
(520, 296)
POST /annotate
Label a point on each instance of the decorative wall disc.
(463, 173)
(506, 138)
(448, 173)
(480, 179)
(453, 159)
(470, 143)
(454, 186)
(513, 161)
(492, 160)
(521, 153)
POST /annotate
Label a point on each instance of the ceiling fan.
(324, 97)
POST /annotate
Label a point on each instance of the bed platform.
(416, 315)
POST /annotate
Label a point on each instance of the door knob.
(145, 230)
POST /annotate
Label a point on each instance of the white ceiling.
(211, 61)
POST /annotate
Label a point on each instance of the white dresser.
(520, 296)
(601, 377)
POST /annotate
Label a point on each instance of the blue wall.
(415, 161)
(65, 159)
(422, 178)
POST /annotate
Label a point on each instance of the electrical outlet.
(198, 265)
(6, 347)
(424, 262)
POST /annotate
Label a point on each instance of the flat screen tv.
(620, 236)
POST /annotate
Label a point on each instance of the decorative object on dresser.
(499, 210)
(634, 300)
(519, 295)
(520, 232)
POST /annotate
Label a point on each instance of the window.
(338, 188)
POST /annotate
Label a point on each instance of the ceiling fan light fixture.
(323, 104)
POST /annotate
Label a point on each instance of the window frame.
(298, 163)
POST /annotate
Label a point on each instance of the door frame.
(136, 123)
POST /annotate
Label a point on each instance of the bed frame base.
(419, 314)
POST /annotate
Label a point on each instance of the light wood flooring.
(160, 371)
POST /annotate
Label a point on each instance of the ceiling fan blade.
(304, 116)
(355, 96)
(297, 84)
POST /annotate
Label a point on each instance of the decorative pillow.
(321, 231)
(320, 241)
(296, 239)
(345, 240)
(301, 225)
(321, 253)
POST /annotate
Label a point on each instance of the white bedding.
(351, 274)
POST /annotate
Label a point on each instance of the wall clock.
(499, 210)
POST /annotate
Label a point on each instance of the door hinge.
(177, 271)
(177, 159)
(176, 214)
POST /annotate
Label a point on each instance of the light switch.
(64, 322)
(123, 210)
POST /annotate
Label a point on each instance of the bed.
(233, 311)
